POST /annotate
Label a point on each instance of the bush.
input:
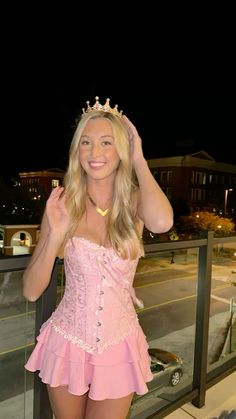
(207, 221)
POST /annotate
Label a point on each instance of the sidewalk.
(220, 401)
(221, 398)
(18, 407)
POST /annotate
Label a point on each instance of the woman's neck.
(101, 193)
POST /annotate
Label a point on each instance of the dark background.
(46, 80)
(39, 122)
(172, 77)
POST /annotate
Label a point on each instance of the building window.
(196, 194)
(198, 178)
(222, 180)
(163, 176)
(169, 193)
(155, 175)
(167, 176)
(55, 183)
(170, 176)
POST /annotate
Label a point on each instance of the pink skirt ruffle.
(118, 371)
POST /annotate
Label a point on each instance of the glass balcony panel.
(15, 314)
(222, 323)
(167, 285)
(166, 281)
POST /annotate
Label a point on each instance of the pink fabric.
(97, 309)
(93, 340)
(120, 370)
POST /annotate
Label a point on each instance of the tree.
(204, 220)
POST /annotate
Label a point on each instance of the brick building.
(198, 180)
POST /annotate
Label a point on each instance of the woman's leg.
(108, 409)
(66, 405)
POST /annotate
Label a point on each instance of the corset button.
(101, 292)
(100, 308)
(99, 323)
(97, 340)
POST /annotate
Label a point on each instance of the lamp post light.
(226, 198)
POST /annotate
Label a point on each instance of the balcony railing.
(189, 289)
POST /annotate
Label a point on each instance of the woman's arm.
(54, 226)
(153, 206)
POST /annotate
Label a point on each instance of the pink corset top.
(97, 309)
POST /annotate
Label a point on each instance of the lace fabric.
(97, 309)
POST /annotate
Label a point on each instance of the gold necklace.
(98, 209)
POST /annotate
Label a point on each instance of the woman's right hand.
(54, 226)
(56, 213)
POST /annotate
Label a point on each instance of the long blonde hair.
(123, 225)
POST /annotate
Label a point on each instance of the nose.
(95, 150)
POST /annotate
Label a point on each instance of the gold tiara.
(99, 107)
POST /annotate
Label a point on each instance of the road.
(169, 297)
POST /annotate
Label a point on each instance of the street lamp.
(226, 197)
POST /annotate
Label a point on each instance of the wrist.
(139, 161)
(55, 238)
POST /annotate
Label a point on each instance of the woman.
(92, 352)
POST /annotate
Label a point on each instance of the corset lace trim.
(89, 348)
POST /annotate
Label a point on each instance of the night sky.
(39, 138)
(51, 65)
(39, 116)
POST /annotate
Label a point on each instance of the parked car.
(167, 369)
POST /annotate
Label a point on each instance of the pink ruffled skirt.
(118, 371)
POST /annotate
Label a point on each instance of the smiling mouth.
(96, 165)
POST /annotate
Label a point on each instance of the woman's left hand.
(135, 140)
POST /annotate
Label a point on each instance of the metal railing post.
(202, 320)
(45, 305)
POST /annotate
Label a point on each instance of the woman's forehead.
(98, 125)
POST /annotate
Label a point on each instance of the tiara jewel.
(99, 107)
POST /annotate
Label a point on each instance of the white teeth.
(93, 164)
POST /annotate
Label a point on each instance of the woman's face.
(97, 151)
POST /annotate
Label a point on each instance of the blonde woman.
(92, 352)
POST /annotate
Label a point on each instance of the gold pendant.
(98, 209)
(102, 212)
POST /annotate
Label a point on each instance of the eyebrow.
(103, 136)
